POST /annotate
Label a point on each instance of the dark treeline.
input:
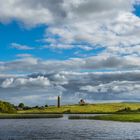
(6, 107)
(22, 106)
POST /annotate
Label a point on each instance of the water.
(64, 129)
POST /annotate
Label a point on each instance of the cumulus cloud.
(25, 11)
(114, 87)
(16, 82)
(101, 23)
(106, 23)
(103, 62)
(119, 32)
(57, 9)
(71, 86)
(85, 24)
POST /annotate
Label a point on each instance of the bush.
(126, 109)
(36, 107)
(27, 108)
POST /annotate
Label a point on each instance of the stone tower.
(58, 101)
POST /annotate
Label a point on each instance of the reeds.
(29, 116)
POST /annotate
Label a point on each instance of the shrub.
(36, 106)
(126, 109)
(27, 108)
(67, 111)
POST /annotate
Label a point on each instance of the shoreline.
(29, 116)
(110, 117)
(125, 117)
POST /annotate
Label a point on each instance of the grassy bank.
(114, 117)
(86, 109)
(29, 116)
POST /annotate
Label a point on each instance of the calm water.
(64, 129)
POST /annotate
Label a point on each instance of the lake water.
(64, 129)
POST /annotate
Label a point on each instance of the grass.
(29, 116)
(86, 109)
(113, 117)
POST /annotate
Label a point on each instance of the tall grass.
(113, 117)
(80, 117)
(29, 116)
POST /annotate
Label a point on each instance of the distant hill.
(6, 107)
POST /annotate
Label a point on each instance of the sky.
(87, 49)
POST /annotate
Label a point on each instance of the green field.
(89, 108)
(113, 117)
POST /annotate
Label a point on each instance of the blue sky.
(14, 32)
(75, 49)
(137, 10)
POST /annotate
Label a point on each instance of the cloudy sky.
(77, 49)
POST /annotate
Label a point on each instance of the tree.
(46, 105)
(21, 105)
(36, 106)
(6, 107)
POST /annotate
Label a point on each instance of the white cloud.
(7, 83)
(24, 55)
(16, 82)
(121, 31)
(20, 47)
(106, 23)
(71, 86)
(114, 87)
(85, 24)
(28, 12)
(103, 62)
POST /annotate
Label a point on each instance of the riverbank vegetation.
(29, 116)
(113, 117)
